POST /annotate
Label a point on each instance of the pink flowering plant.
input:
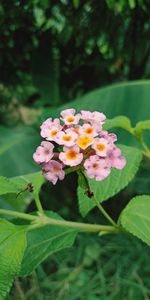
(81, 143)
(77, 142)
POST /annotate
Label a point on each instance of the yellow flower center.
(53, 132)
(100, 147)
(89, 130)
(84, 141)
(71, 154)
(70, 119)
(67, 138)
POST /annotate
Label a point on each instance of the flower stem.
(38, 203)
(105, 214)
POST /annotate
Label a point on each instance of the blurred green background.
(88, 55)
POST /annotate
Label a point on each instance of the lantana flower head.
(78, 141)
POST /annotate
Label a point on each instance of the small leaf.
(120, 122)
(135, 218)
(12, 246)
(143, 125)
(114, 183)
(12, 189)
(44, 241)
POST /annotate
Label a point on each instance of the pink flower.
(101, 146)
(43, 153)
(98, 117)
(71, 156)
(86, 115)
(53, 171)
(69, 117)
(93, 117)
(110, 137)
(46, 123)
(89, 130)
(115, 160)
(96, 167)
(50, 128)
(67, 138)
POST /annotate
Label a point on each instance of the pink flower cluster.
(77, 140)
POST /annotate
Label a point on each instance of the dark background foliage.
(65, 48)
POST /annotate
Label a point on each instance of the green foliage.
(16, 190)
(89, 269)
(135, 218)
(115, 182)
(12, 246)
(84, 202)
(43, 242)
(18, 145)
(119, 122)
(63, 28)
(140, 126)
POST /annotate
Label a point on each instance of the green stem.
(39, 221)
(103, 211)
(75, 225)
(38, 203)
(71, 170)
(147, 154)
(17, 214)
(146, 150)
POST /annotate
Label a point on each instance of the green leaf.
(120, 122)
(6, 146)
(44, 241)
(15, 190)
(82, 181)
(114, 183)
(135, 218)
(6, 186)
(85, 203)
(143, 125)
(12, 246)
(17, 160)
(36, 179)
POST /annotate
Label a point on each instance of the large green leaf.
(17, 157)
(115, 182)
(135, 218)
(130, 99)
(44, 241)
(12, 246)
